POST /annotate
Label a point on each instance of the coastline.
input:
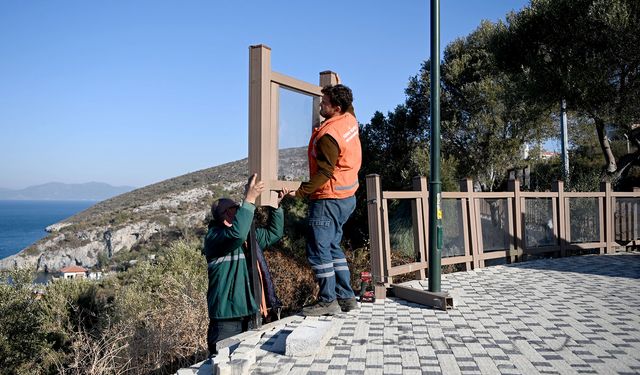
(23, 222)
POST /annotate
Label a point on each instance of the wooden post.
(519, 243)
(472, 230)
(386, 239)
(374, 209)
(560, 220)
(419, 214)
(636, 215)
(329, 78)
(261, 160)
(635, 206)
(609, 236)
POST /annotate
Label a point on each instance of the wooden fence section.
(485, 227)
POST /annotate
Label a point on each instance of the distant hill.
(145, 218)
(91, 191)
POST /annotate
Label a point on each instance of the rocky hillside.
(145, 218)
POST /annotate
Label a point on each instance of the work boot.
(348, 304)
(322, 308)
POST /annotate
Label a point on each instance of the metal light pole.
(434, 297)
(435, 188)
(565, 140)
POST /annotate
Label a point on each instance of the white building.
(73, 272)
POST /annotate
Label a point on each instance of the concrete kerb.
(237, 354)
(231, 343)
(202, 368)
(244, 358)
(311, 336)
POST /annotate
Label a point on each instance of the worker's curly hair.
(339, 95)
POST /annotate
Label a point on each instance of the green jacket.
(229, 293)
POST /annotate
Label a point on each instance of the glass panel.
(538, 222)
(295, 119)
(584, 220)
(453, 236)
(401, 231)
(494, 223)
(627, 219)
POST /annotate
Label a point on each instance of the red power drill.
(366, 292)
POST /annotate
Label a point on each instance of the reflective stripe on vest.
(226, 258)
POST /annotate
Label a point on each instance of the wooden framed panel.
(397, 238)
(539, 225)
(476, 219)
(264, 101)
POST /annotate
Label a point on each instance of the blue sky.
(135, 92)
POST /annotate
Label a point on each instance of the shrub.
(294, 280)
(165, 305)
(23, 334)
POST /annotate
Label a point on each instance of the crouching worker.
(229, 298)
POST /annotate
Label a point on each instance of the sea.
(23, 222)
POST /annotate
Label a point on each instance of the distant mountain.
(92, 191)
(146, 218)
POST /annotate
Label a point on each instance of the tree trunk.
(610, 160)
(625, 165)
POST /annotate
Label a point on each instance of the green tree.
(23, 327)
(486, 118)
(588, 53)
(390, 145)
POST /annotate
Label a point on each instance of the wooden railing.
(485, 227)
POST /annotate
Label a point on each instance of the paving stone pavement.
(575, 315)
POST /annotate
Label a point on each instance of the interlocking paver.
(578, 315)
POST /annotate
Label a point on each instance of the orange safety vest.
(344, 183)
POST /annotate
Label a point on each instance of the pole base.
(438, 300)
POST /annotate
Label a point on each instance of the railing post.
(609, 235)
(560, 221)
(470, 224)
(374, 209)
(518, 217)
(636, 213)
(420, 213)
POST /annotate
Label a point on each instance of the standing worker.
(335, 156)
(229, 299)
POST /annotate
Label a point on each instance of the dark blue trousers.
(220, 329)
(324, 252)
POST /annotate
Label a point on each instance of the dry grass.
(294, 281)
(102, 355)
(171, 337)
(156, 322)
